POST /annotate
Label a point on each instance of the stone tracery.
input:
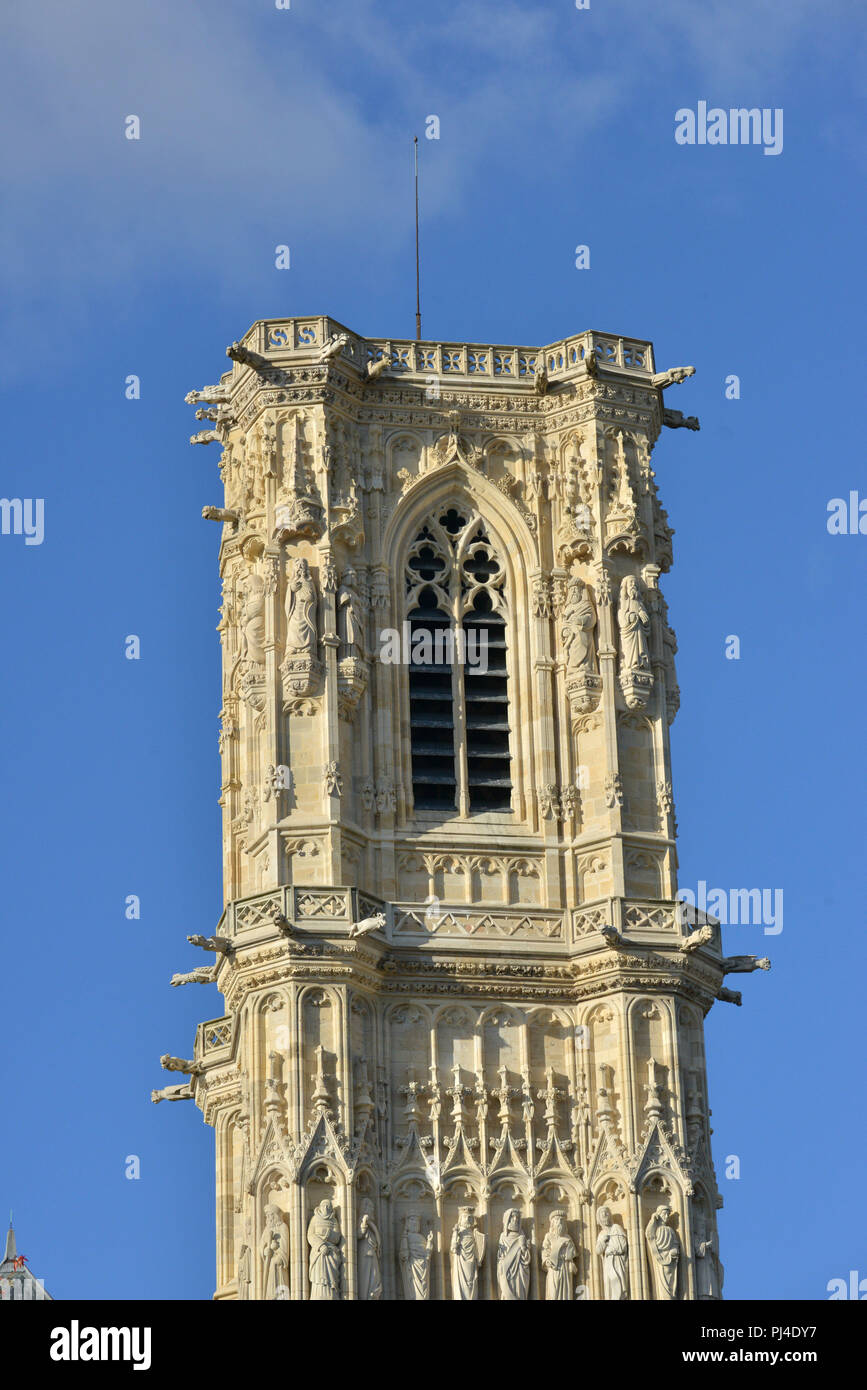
(495, 1090)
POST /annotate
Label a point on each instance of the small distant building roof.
(16, 1280)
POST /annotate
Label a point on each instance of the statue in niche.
(244, 1272)
(253, 621)
(415, 1257)
(558, 1256)
(349, 611)
(326, 1258)
(369, 1255)
(576, 632)
(634, 623)
(274, 1252)
(708, 1270)
(663, 1244)
(467, 1252)
(613, 1246)
(513, 1259)
(301, 611)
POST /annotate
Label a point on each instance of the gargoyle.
(676, 420)
(211, 943)
(742, 965)
(368, 924)
(205, 975)
(333, 347)
(703, 936)
(220, 514)
(170, 1063)
(673, 377)
(211, 395)
(375, 369)
(206, 437)
(282, 923)
(172, 1093)
(730, 996)
(613, 937)
(245, 356)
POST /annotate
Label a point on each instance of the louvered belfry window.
(458, 678)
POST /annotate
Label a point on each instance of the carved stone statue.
(301, 611)
(558, 1256)
(612, 1244)
(369, 1255)
(349, 615)
(513, 1258)
(634, 623)
(274, 1253)
(578, 622)
(415, 1257)
(244, 1272)
(326, 1257)
(467, 1252)
(253, 622)
(708, 1270)
(663, 1246)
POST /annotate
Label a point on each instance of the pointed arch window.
(458, 672)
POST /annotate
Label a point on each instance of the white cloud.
(257, 121)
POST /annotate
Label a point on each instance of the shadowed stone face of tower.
(461, 1055)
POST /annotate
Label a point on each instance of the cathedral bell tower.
(461, 1054)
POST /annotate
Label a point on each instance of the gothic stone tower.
(461, 1054)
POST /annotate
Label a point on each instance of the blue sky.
(261, 127)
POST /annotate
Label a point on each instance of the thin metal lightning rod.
(417, 289)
